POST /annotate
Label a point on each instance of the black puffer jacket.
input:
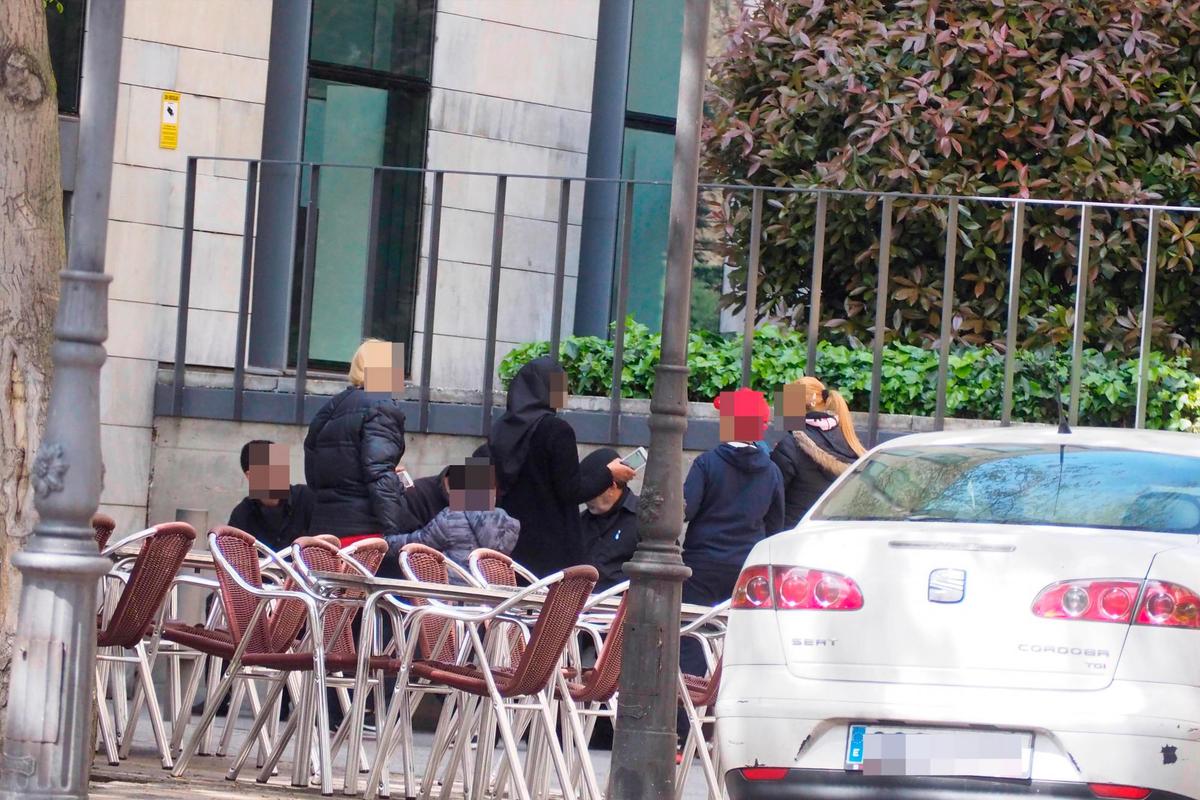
(803, 479)
(350, 456)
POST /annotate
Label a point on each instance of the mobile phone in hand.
(635, 460)
(405, 478)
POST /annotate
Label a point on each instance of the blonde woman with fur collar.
(821, 444)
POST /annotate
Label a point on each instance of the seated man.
(276, 512)
(609, 525)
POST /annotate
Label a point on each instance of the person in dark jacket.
(820, 445)
(429, 495)
(469, 522)
(733, 499)
(609, 524)
(353, 447)
(537, 469)
(275, 512)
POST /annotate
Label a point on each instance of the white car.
(995, 614)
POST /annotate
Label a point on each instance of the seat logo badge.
(947, 585)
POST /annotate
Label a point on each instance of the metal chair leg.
(184, 717)
(107, 734)
(156, 720)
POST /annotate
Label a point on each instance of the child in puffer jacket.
(470, 522)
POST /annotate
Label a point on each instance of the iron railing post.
(751, 309)
(489, 357)
(943, 374)
(368, 317)
(1082, 278)
(644, 748)
(1143, 386)
(243, 318)
(185, 287)
(48, 749)
(814, 288)
(312, 220)
(882, 281)
(560, 266)
(618, 365)
(435, 244)
(1014, 311)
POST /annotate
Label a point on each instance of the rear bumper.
(841, 785)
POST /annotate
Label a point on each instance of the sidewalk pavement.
(142, 777)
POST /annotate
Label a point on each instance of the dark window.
(368, 106)
(65, 30)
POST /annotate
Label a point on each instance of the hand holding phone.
(405, 478)
(635, 460)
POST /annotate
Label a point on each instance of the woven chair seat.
(463, 678)
(217, 643)
(703, 691)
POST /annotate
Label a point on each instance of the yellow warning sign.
(168, 128)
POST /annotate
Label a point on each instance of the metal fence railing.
(758, 197)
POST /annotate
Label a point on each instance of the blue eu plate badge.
(854, 753)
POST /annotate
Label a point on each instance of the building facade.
(374, 92)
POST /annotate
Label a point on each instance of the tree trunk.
(32, 251)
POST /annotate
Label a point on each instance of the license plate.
(899, 750)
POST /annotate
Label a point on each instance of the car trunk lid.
(950, 603)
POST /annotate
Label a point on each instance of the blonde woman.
(353, 447)
(821, 446)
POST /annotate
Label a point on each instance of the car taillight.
(764, 773)
(794, 588)
(753, 589)
(1098, 600)
(1161, 604)
(1168, 605)
(800, 587)
(1114, 790)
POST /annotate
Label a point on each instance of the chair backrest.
(708, 697)
(424, 564)
(494, 568)
(153, 572)
(102, 527)
(606, 673)
(238, 548)
(314, 553)
(370, 554)
(555, 625)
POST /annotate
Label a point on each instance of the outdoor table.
(471, 595)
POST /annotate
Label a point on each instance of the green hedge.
(976, 376)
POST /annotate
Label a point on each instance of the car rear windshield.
(1023, 485)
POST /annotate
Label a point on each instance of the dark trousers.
(710, 583)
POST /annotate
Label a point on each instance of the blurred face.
(604, 502)
(270, 473)
(472, 487)
(383, 369)
(740, 420)
(793, 405)
(558, 390)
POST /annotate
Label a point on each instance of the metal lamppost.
(47, 746)
(644, 748)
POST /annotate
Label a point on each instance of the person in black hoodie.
(537, 468)
(609, 524)
(353, 447)
(820, 445)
